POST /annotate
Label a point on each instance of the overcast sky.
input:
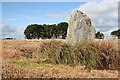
(17, 15)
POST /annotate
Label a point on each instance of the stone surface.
(79, 28)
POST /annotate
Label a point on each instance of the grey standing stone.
(79, 28)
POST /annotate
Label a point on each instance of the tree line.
(46, 31)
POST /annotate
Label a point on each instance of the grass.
(94, 55)
(22, 63)
(44, 70)
(29, 63)
(56, 58)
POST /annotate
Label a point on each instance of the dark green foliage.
(46, 31)
(62, 29)
(33, 31)
(116, 33)
(99, 35)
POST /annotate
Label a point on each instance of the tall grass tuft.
(55, 52)
(87, 54)
(110, 54)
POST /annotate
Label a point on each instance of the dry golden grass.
(19, 62)
(111, 49)
(19, 69)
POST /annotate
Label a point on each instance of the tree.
(33, 31)
(62, 29)
(99, 35)
(49, 30)
(53, 31)
(116, 33)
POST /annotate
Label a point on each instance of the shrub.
(87, 53)
(62, 53)
(56, 52)
(99, 54)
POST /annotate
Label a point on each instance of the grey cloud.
(104, 15)
(7, 30)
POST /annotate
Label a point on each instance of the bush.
(87, 54)
(98, 55)
(58, 52)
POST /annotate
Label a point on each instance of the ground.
(16, 64)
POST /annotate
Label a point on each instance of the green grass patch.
(28, 63)
(22, 63)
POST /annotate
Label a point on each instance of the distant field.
(18, 61)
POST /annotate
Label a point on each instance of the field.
(20, 59)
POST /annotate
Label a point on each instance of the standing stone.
(79, 28)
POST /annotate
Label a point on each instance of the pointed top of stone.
(78, 11)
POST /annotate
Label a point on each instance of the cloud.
(110, 0)
(7, 30)
(10, 31)
(104, 14)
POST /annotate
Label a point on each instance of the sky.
(17, 15)
(48, 0)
